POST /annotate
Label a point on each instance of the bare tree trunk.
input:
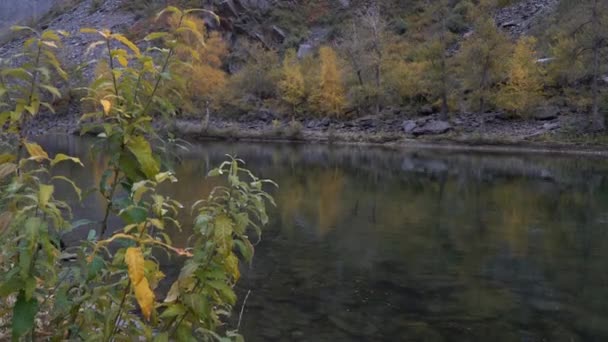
(483, 85)
(444, 72)
(207, 116)
(597, 117)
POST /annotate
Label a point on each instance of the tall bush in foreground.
(110, 293)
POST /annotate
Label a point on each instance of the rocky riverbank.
(492, 131)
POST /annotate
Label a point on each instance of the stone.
(228, 8)
(409, 126)
(433, 127)
(278, 34)
(550, 126)
(304, 50)
(426, 110)
(546, 115)
(509, 24)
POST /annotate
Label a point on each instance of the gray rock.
(12, 12)
(426, 110)
(278, 33)
(304, 50)
(545, 115)
(550, 126)
(433, 127)
(409, 126)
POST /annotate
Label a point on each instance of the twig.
(238, 325)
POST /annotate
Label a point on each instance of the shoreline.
(503, 140)
(404, 143)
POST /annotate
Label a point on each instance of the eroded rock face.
(16, 11)
(519, 18)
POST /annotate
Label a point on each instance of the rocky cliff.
(15, 11)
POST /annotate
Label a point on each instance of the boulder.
(409, 126)
(278, 34)
(546, 114)
(433, 127)
(228, 8)
(426, 110)
(304, 50)
(550, 126)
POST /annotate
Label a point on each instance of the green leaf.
(245, 248)
(24, 314)
(173, 310)
(155, 35)
(54, 91)
(163, 337)
(94, 267)
(134, 215)
(11, 282)
(197, 303)
(7, 169)
(224, 290)
(142, 151)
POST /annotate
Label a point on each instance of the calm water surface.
(378, 245)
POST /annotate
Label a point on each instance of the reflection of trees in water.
(476, 241)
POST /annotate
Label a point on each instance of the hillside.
(405, 68)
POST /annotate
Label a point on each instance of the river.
(372, 244)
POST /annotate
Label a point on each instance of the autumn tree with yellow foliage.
(329, 97)
(291, 86)
(205, 81)
(524, 89)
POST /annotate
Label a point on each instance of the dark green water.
(377, 245)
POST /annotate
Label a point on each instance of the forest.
(143, 79)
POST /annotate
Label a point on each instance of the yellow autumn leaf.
(44, 194)
(37, 153)
(232, 266)
(136, 265)
(107, 106)
(145, 297)
(135, 262)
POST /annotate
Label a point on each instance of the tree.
(291, 86)
(365, 47)
(328, 98)
(482, 58)
(436, 54)
(585, 29)
(204, 81)
(524, 88)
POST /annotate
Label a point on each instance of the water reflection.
(373, 244)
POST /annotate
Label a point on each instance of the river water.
(371, 244)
